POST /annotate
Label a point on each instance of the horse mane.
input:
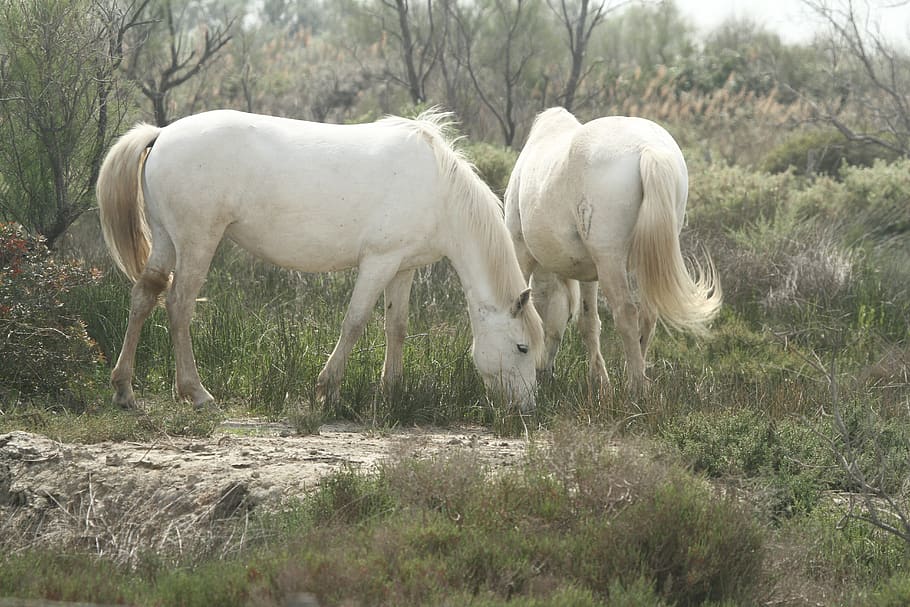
(482, 211)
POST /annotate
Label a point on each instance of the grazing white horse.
(598, 202)
(385, 198)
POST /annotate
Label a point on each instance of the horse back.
(311, 196)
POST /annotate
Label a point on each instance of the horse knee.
(626, 317)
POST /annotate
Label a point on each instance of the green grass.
(816, 323)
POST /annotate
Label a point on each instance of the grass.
(579, 518)
(733, 448)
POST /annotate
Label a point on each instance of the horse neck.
(484, 259)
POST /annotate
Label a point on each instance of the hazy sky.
(791, 19)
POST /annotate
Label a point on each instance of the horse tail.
(682, 301)
(122, 209)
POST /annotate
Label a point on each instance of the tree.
(645, 36)
(169, 53)
(579, 18)
(410, 35)
(496, 45)
(419, 51)
(870, 100)
(60, 101)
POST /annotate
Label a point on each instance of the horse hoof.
(125, 401)
(326, 394)
(205, 403)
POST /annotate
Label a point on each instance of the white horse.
(598, 202)
(385, 197)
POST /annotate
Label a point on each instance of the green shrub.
(349, 497)
(45, 347)
(693, 546)
(724, 198)
(494, 164)
(843, 551)
(895, 592)
(869, 205)
(789, 459)
(824, 151)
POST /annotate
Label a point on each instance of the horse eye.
(523, 348)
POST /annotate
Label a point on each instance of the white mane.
(481, 210)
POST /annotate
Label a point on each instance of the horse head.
(507, 348)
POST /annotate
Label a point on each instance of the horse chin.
(546, 373)
(527, 405)
(520, 398)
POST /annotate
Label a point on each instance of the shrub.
(870, 205)
(724, 198)
(494, 164)
(45, 348)
(789, 458)
(824, 151)
(894, 593)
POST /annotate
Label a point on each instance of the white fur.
(385, 197)
(596, 202)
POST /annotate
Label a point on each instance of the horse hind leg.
(647, 322)
(143, 297)
(181, 303)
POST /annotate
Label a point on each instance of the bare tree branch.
(874, 78)
(579, 25)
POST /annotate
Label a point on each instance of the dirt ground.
(121, 498)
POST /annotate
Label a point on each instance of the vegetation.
(767, 465)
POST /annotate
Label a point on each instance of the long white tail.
(665, 285)
(120, 203)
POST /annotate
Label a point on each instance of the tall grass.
(816, 275)
(810, 269)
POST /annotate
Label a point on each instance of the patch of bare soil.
(176, 495)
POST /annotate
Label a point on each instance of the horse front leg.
(397, 294)
(143, 297)
(589, 326)
(372, 278)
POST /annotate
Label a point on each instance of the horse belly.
(558, 247)
(335, 238)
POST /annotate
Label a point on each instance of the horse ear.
(521, 302)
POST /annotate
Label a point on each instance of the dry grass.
(726, 125)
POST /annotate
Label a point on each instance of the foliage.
(45, 349)
(493, 163)
(60, 106)
(170, 50)
(894, 593)
(823, 151)
(577, 522)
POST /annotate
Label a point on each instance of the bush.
(824, 152)
(45, 347)
(894, 593)
(493, 163)
(724, 198)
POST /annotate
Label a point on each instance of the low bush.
(494, 164)
(822, 151)
(895, 592)
(46, 350)
(581, 521)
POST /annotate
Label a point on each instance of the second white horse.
(599, 202)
